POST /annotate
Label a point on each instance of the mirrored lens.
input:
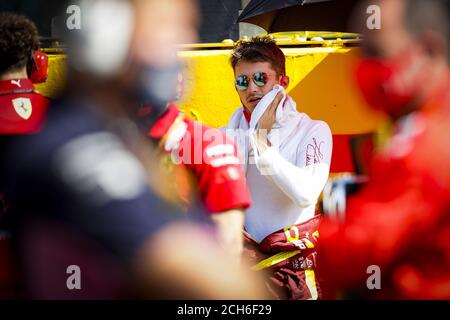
(260, 78)
(241, 82)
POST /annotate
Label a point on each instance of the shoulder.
(235, 118)
(315, 136)
(72, 118)
(70, 141)
(65, 122)
(314, 127)
(210, 147)
(39, 99)
(205, 135)
(34, 96)
(91, 158)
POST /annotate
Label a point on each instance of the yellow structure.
(56, 73)
(321, 83)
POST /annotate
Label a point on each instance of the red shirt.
(211, 156)
(22, 108)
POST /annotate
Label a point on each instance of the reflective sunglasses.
(259, 78)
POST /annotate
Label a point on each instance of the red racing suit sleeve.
(215, 162)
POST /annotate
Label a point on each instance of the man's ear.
(284, 81)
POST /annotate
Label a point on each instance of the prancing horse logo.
(23, 107)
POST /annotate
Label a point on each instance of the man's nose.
(252, 87)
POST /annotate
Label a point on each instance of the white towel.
(286, 120)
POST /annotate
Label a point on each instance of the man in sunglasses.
(286, 159)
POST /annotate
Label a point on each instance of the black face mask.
(156, 88)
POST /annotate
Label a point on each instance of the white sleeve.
(303, 181)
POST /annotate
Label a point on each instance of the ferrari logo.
(23, 107)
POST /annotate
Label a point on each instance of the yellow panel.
(210, 96)
(56, 76)
(321, 84)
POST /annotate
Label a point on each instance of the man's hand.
(268, 118)
(265, 124)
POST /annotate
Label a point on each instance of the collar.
(16, 85)
(163, 124)
(247, 114)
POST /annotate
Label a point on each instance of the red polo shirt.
(22, 108)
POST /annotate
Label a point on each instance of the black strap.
(4, 93)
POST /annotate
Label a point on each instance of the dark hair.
(422, 15)
(18, 39)
(259, 49)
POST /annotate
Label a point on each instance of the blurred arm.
(182, 262)
(229, 226)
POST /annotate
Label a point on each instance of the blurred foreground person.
(202, 162)
(395, 241)
(87, 222)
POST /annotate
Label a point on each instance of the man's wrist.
(262, 142)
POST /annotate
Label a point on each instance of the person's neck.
(247, 114)
(12, 75)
